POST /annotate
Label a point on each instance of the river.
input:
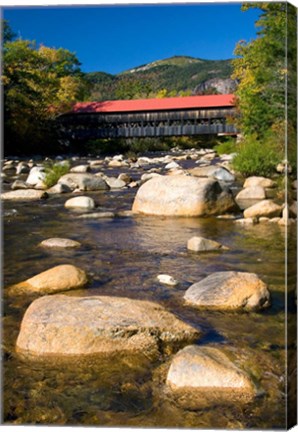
(124, 255)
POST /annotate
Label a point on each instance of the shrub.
(257, 158)
(227, 147)
(54, 171)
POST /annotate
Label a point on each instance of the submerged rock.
(201, 244)
(61, 325)
(182, 196)
(60, 278)
(58, 242)
(205, 375)
(229, 290)
(24, 195)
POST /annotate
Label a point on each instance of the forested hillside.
(174, 76)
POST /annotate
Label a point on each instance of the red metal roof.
(206, 101)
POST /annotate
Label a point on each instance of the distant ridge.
(173, 76)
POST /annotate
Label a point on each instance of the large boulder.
(24, 195)
(214, 171)
(229, 290)
(60, 278)
(205, 375)
(83, 182)
(182, 196)
(266, 208)
(62, 325)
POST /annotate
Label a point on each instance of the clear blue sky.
(116, 38)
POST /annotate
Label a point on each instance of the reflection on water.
(124, 257)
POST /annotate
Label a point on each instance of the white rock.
(59, 242)
(80, 169)
(167, 280)
(172, 165)
(80, 202)
(115, 183)
(36, 175)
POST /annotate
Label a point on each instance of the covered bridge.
(191, 115)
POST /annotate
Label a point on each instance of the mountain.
(178, 75)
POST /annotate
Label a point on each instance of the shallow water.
(124, 257)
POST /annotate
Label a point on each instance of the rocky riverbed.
(128, 278)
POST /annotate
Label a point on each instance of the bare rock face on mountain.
(223, 86)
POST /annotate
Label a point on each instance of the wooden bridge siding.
(100, 125)
(152, 131)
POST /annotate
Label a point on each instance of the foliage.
(262, 69)
(54, 171)
(257, 157)
(39, 83)
(226, 147)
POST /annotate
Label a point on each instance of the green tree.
(264, 68)
(39, 83)
(260, 69)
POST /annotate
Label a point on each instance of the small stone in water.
(167, 280)
(58, 242)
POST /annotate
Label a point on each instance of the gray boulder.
(229, 290)
(83, 182)
(214, 171)
(181, 195)
(62, 325)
